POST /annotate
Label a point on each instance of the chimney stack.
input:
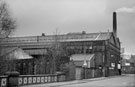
(115, 24)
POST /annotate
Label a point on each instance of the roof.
(87, 37)
(7, 50)
(81, 59)
(14, 52)
(62, 38)
(132, 60)
(36, 51)
(20, 54)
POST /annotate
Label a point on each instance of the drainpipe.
(104, 60)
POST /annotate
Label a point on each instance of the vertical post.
(12, 79)
(84, 72)
(85, 61)
(84, 66)
(105, 59)
(103, 70)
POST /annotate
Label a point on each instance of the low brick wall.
(24, 80)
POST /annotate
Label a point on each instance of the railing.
(39, 79)
(3, 81)
(24, 80)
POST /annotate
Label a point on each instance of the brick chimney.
(115, 24)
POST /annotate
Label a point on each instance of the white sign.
(119, 66)
(113, 64)
(127, 64)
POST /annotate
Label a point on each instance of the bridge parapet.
(3, 81)
(24, 80)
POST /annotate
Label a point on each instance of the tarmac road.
(120, 81)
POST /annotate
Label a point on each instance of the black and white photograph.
(67, 43)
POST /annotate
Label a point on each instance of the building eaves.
(61, 38)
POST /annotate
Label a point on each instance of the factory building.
(91, 50)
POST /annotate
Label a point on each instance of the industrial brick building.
(105, 46)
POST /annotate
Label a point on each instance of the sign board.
(112, 64)
(119, 66)
(127, 64)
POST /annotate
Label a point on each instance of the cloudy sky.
(45, 16)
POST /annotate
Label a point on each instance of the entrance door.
(78, 73)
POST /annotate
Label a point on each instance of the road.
(120, 81)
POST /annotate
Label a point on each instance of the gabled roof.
(81, 59)
(14, 52)
(20, 54)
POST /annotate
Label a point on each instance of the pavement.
(57, 84)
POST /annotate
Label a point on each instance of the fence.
(24, 80)
(128, 69)
(92, 73)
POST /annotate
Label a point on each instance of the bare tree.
(55, 53)
(7, 26)
(7, 22)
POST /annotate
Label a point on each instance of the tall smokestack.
(115, 24)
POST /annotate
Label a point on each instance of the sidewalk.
(57, 84)
(72, 82)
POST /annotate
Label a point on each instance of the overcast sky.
(44, 16)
